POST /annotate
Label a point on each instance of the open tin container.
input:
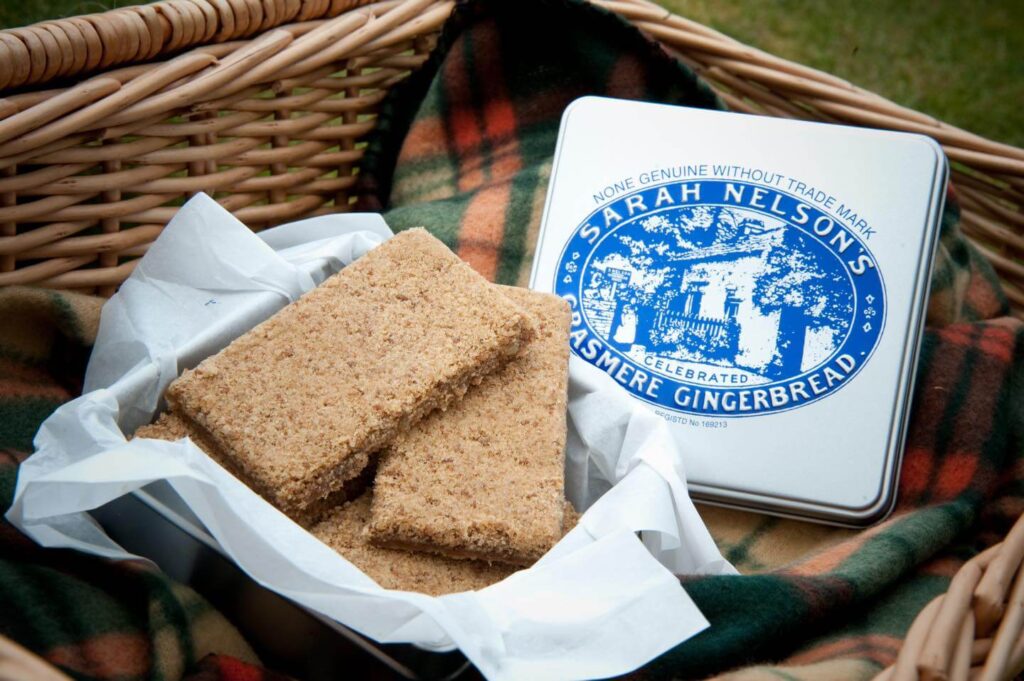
(602, 601)
(760, 283)
(155, 524)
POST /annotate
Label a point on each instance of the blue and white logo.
(719, 297)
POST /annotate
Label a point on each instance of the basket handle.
(66, 48)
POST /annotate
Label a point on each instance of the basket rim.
(211, 38)
(56, 51)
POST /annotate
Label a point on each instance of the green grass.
(962, 62)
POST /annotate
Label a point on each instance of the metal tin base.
(286, 636)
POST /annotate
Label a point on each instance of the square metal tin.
(760, 283)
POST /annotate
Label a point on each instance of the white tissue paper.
(601, 603)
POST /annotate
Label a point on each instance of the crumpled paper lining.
(600, 603)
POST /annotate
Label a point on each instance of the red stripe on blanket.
(983, 297)
(916, 471)
(12, 370)
(998, 342)
(500, 120)
(938, 385)
(107, 656)
(232, 669)
(463, 127)
(11, 389)
(956, 474)
(483, 225)
(993, 339)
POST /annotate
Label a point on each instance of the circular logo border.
(572, 292)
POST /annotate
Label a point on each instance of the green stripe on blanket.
(466, 153)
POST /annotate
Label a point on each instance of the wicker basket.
(109, 121)
(976, 629)
(265, 105)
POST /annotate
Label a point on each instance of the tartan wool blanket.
(93, 619)
(464, 148)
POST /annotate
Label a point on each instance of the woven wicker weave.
(267, 109)
(976, 629)
(264, 103)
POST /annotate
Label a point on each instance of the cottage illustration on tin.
(703, 288)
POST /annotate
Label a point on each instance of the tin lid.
(760, 283)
